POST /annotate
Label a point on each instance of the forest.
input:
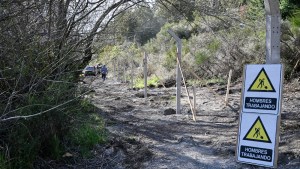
(45, 45)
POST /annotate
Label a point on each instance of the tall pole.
(178, 74)
(114, 69)
(118, 71)
(124, 74)
(273, 32)
(228, 87)
(132, 74)
(145, 75)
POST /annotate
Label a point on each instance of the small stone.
(169, 111)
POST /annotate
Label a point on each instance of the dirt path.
(175, 141)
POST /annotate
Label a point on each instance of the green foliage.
(214, 46)
(87, 136)
(176, 10)
(55, 147)
(24, 148)
(295, 19)
(215, 81)
(185, 47)
(138, 25)
(4, 163)
(255, 10)
(153, 81)
(170, 58)
(87, 106)
(201, 57)
(195, 82)
(287, 8)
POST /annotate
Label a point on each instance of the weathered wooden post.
(178, 74)
(132, 74)
(228, 87)
(114, 60)
(194, 97)
(124, 74)
(145, 75)
(118, 71)
(273, 33)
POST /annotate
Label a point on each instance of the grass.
(153, 81)
(86, 137)
(90, 132)
(3, 162)
(215, 80)
(193, 82)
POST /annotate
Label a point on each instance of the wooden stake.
(194, 97)
(191, 106)
(124, 74)
(228, 87)
(132, 74)
(145, 75)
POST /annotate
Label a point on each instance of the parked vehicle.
(89, 71)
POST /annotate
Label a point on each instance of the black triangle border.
(262, 70)
(258, 119)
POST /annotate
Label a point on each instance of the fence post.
(145, 75)
(124, 74)
(118, 71)
(273, 32)
(178, 74)
(194, 97)
(228, 87)
(132, 74)
(114, 69)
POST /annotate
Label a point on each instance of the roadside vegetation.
(215, 38)
(44, 45)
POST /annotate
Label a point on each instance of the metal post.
(273, 33)
(145, 75)
(178, 74)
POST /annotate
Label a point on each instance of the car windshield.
(89, 68)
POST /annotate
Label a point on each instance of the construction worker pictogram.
(261, 83)
(257, 132)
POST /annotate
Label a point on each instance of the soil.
(148, 134)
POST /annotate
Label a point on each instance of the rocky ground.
(146, 133)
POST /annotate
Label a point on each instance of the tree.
(43, 47)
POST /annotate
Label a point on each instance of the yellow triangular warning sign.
(261, 83)
(257, 132)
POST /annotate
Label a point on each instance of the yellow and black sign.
(261, 83)
(257, 132)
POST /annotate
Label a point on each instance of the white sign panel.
(262, 88)
(257, 139)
